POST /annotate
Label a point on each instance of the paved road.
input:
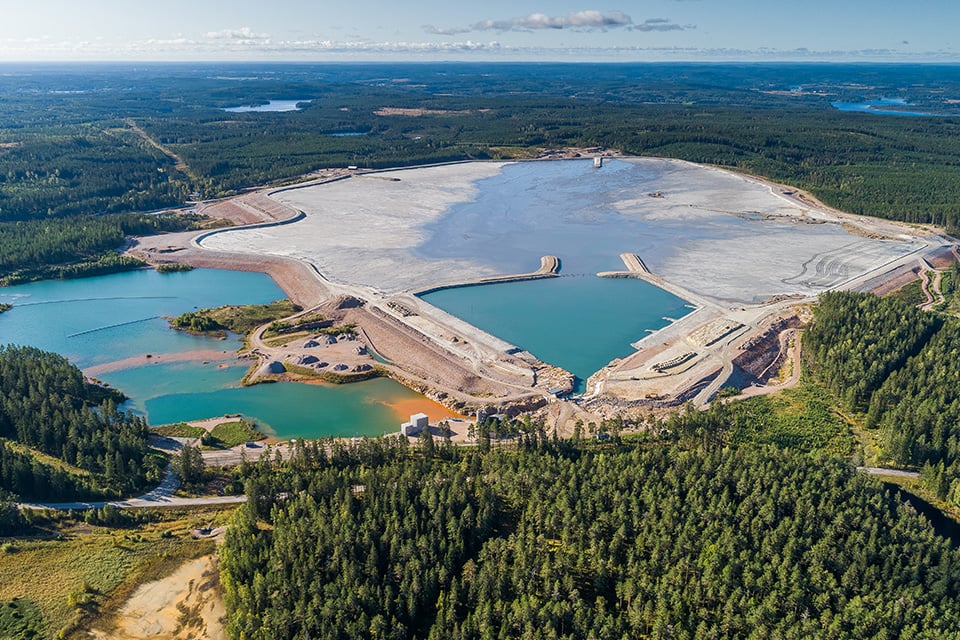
(162, 496)
(142, 502)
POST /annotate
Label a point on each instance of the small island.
(239, 319)
(173, 267)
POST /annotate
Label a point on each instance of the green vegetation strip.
(230, 434)
(172, 267)
(222, 436)
(76, 246)
(240, 319)
(911, 293)
(179, 430)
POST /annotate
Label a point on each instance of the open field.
(86, 572)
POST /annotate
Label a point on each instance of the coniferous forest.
(564, 540)
(75, 246)
(900, 367)
(71, 143)
(86, 446)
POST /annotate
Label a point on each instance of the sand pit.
(201, 355)
(184, 605)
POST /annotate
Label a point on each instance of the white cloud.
(244, 34)
(179, 47)
(582, 20)
(445, 31)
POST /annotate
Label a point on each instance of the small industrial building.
(418, 422)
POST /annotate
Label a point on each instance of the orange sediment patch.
(404, 408)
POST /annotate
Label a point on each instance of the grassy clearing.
(21, 619)
(179, 430)
(948, 286)
(230, 434)
(246, 318)
(240, 319)
(911, 293)
(47, 460)
(285, 339)
(803, 417)
(314, 322)
(222, 436)
(505, 151)
(69, 581)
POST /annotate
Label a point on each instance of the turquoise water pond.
(184, 390)
(579, 323)
(107, 319)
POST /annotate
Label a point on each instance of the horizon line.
(793, 61)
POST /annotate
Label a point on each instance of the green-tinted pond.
(107, 325)
(579, 323)
(187, 390)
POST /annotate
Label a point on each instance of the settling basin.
(579, 323)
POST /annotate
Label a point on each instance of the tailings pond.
(722, 236)
(108, 325)
(579, 323)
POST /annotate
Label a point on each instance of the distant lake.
(102, 320)
(882, 107)
(271, 106)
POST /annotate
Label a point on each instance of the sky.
(562, 30)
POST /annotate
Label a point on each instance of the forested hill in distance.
(108, 138)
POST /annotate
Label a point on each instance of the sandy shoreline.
(199, 355)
